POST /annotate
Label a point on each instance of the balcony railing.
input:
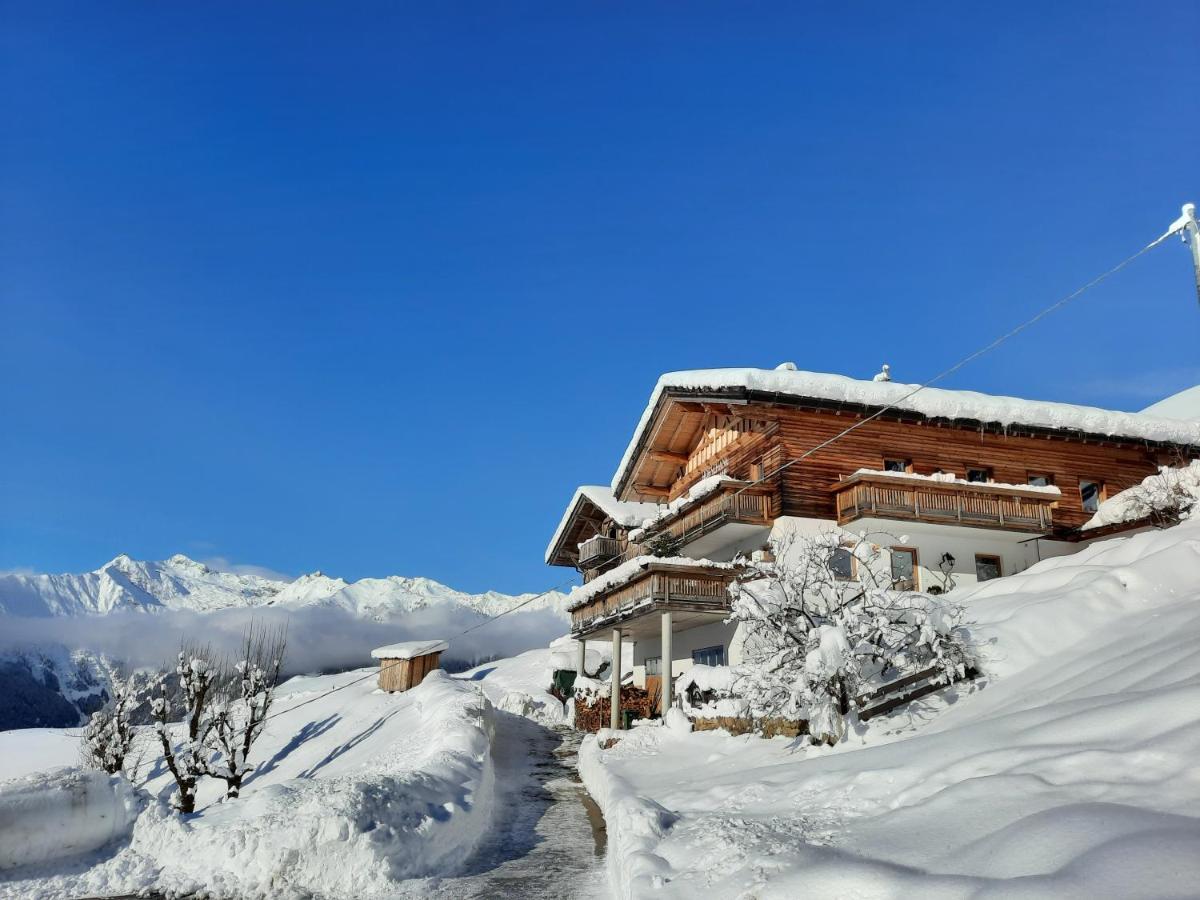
(658, 587)
(599, 548)
(734, 502)
(981, 505)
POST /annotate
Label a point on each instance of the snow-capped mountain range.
(183, 584)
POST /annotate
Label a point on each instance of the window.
(987, 567)
(979, 474)
(653, 665)
(897, 464)
(756, 471)
(1040, 479)
(1091, 493)
(841, 564)
(904, 568)
(709, 656)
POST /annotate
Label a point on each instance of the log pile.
(593, 717)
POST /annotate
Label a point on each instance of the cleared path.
(548, 838)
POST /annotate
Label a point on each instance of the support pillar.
(580, 659)
(665, 664)
(614, 715)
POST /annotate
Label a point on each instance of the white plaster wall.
(683, 642)
(1015, 549)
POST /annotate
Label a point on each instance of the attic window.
(1090, 494)
(979, 475)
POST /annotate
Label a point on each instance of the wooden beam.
(668, 456)
(651, 490)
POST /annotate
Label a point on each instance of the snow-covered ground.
(1071, 772)
(353, 790)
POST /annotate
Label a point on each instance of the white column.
(614, 717)
(579, 660)
(665, 663)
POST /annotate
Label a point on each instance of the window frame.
(904, 461)
(1047, 476)
(988, 472)
(1101, 493)
(992, 557)
(657, 660)
(699, 651)
(916, 566)
(853, 576)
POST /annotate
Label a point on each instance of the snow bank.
(634, 824)
(1170, 487)
(1070, 774)
(935, 403)
(415, 810)
(61, 813)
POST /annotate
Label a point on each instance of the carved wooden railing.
(599, 548)
(981, 505)
(733, 502)
(667, 587)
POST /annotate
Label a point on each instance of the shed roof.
(409, 649)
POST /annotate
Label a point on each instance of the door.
(904, 569)
(654, 683)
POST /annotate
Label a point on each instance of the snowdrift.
(61, 813)
(352, 790)
(1069, 773)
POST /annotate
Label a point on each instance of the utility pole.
(1189, 232)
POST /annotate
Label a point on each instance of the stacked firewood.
(595, 716)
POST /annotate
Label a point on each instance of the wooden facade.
(763, 436)
(405, 674)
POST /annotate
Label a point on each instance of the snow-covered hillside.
(180, 583)
(352, 790)
(1070, 772)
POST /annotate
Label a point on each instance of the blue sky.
(370, 288)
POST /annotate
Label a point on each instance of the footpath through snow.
(1073, 770)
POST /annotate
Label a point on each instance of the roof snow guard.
(965, 408)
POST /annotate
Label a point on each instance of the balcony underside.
(645, 622)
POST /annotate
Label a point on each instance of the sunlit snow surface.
(1073, 772)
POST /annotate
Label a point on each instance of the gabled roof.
(965, 407)
(624, 513)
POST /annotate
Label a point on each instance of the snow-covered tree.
(187, 758)
(243, 706)
(109, 735)
(823, 622)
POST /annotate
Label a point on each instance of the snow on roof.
(625, 513)
(1184, 405)
(932, 402)
(629, 569)
(409, 649)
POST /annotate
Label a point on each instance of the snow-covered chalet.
(724, 460)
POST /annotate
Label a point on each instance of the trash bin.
(627, 719)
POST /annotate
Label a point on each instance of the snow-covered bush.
(109, 735)
(243, 704)
(187, 758)
(1165, 499)
(823, 623)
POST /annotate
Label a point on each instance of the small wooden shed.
(403, 666)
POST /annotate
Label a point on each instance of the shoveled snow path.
(548, 836)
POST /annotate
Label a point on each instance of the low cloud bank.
(319, 639)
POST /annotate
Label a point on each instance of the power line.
(971, 357)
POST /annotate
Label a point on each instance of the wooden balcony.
(733, 503)
(658, 587)
(596, 550)
(982, 505)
